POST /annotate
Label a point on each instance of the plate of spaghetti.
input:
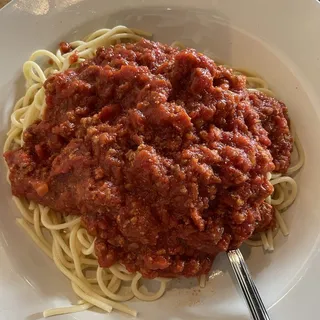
(141, 143)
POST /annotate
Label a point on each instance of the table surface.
(3, 2)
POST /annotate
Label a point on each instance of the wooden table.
(3, 2)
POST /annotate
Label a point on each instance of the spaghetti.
(63, 238)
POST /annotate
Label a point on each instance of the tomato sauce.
(163, 153)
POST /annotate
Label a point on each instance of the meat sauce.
(163, 153)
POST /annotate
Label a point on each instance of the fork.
(247, 285)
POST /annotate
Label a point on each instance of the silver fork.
(249, 289)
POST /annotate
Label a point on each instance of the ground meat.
(274, 117)
(65, 47)
(163, 153)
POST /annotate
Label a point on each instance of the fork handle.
(249, 289)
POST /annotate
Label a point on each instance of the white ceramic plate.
(277, 39)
